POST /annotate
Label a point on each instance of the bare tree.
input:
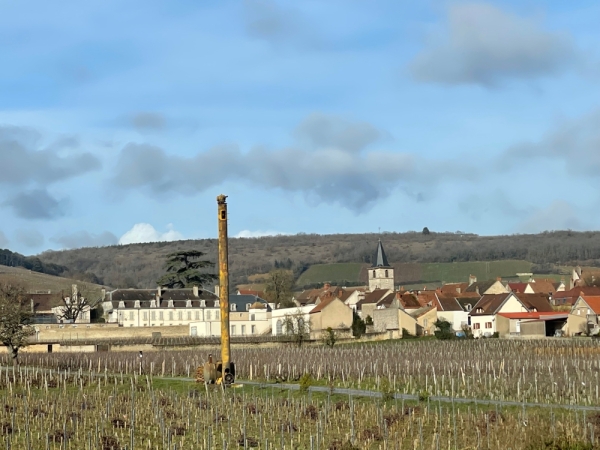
(16, 314)
(296, 326)
(77, 303)
(279, 288)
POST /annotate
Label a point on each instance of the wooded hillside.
(140, 265)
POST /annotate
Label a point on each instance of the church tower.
(381, 274)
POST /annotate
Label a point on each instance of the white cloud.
(144, 232)
(257, 233)
(559, 215)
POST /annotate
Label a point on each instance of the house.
(42, 304)
(450, 309)
(568, 298)
(75, 302)
(531, 324)
(330, 313)
(314, 296)
(253, 321)
(381, 274)
(351, 296)
(482, 317)
(541, 287)
(368, 304)
(278, 317)
(408, 301)
(583, 317)
(394, 320)
(487, 287)
(425, 316)
(452, 289)
(536, 302)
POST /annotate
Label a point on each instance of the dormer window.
(170, 303)
(203, 303)
(188, 303)
(468, 307)
(217, 304)
(121, 304)
(136, 304)
(233, 307)
(152, 303)
(479, 310)
(248, 305)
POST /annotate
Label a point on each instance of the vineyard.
(115, 400)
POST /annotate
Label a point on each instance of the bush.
(407, 334)
(444, 329)
(329, 337)
(358, 325)
(305, 382)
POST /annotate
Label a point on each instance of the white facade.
(162, 317)
(255, 322)
(456, 318)
(356, 296)
(485, 325)
(278, 317)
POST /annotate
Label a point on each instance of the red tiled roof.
(322, 305)
(543, 287)
(593, 301)
(531, 315)
(517, 287)
(454, 288)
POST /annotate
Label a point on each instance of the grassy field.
(414, 275)
(321, 273)
(34, 281)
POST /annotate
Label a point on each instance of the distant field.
(40, 281)
(414, 275)
(334, 273)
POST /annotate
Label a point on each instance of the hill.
(140, 265)
(35, 281)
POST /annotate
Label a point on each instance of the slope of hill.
(140, 265)
(35, 281)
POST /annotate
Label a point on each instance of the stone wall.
(54, 333)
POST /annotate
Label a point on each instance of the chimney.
(472, 279)
(217, 290)
(477, 290)
(498, 278)
(159, 291)
(103, 294)
(326, 286)
(195, 290)
(438, 290)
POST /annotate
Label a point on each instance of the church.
(381, 274)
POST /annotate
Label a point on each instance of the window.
(152, 303)
(203, 303)
(488, 324)
(153, 315)
(243, 329)
(279, 328)
(374, 274)
(145, 315)
(170, 303)
(253, 329)
(216, 303)
(180, 315)
(425, 321)
(252, 317)
(188, 303)
(160, 315)
(589, 311)
(121, 304)
(468, 307)
(232, 330)
(217, 315)
(578, 312)
(171, 315)
(207, 315)
(479, 310)
(137, 304)
(189, 315)
(386, 273)
(197, 315)
(194, 331)
(233, 307)
(476, 326)
(130, 315)
(248, 305)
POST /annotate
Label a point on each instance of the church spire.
(380, 258)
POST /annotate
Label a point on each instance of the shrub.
(329, 337)
(443, 329)
(305, 382)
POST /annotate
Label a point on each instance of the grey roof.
(380, 258)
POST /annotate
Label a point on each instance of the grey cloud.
(36, 204)
(81, 239)
(328, 174)
(3, 240)
(148, 121)
(485, 45)
(477, 206)
(267, 20)
(575, 142)
(25, 161)
(559, 215)
(321, 130)
(29, 238)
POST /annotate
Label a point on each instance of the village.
(538, 308)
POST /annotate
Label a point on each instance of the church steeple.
(380, 258)
(381, 274)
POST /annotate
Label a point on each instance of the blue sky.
(122, 121)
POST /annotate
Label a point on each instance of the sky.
(120, 122)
